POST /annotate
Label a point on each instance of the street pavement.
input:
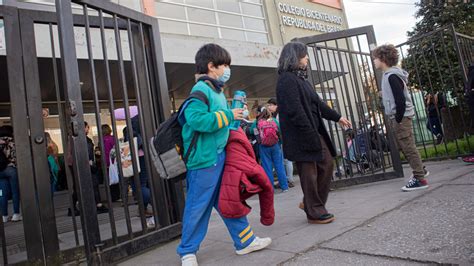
(376, 224)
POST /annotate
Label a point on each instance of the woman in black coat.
(305, 138)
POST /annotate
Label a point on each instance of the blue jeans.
(273, 157)
(146, 194)
(203, 187)
(9, 185)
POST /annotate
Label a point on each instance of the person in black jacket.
(305, 138)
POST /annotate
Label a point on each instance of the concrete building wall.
(290, 19)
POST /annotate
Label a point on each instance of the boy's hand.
(345, 123)
(238, 113)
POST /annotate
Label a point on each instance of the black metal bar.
(70, 71)
(444, 86)
(133, 149)
(353, 89)
(362, 97)
(421, 88)
(426, 111)
(379, 112)
(129, 248)
(141, 110)
(17, 88)
(456, 47)
(118, 10)
(159, 70)
(356, 90)
(431, 87)
(325, 93)
(468, 46)
(364, 179)
(321, 82)
(45, 17)
(370, 102)
(123, 187)
(394, 153)
(346, 85)
(344, 96)
(157, 184)
(41, 196)
(454, 88)
(422, 36)
(160, 96)
(344, 50)
(99, 126)
(145, 52)
(62, 119)
(344, 144)
(139, 65)
(416, 113)
(335, 35)
(330, 125)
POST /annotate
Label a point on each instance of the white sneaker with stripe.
(257, 244)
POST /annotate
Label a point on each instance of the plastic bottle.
(240, 99)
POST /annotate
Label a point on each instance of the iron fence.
(344, 76)
(437, 63)
(84, 67)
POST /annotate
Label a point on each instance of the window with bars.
(242, 20)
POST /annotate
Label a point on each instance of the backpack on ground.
(268, 132)
(167, 145)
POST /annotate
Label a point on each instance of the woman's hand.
(345, 123)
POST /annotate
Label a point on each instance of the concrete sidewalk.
(375, 224)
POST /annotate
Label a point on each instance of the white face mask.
(245, 113)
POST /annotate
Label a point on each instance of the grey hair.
(290, 57)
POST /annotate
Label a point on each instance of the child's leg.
(240, 231)
(15, 189)
(406, 142)
(4, 184)
(239, 228)
(266, 157)
(146, 193)
(289, 169)
(277, 158)
(203, 189)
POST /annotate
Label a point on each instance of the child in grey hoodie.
(399, 108)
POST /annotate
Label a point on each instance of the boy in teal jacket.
(206, 161)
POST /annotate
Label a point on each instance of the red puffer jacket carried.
(243, 177)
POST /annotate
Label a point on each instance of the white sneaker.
(16, 217)
(5, 219)
(189, 260)
(257, 244)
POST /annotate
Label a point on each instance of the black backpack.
(167, 144)
(3, 159)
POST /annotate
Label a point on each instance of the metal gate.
(438, 65)
(344, 76)
(80, 64)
